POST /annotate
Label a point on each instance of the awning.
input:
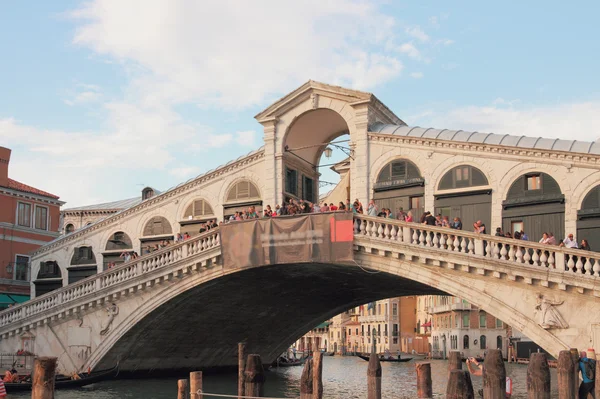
(11, 299)
(428, 324)
(324, 325)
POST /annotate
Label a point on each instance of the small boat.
(387, 359)
(66, 382)
(289, 362)
(328, 353)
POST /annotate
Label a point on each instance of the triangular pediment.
(312, 88)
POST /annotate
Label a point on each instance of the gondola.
(386, 359)
(328, 353)
(66, 382)
(297, 362)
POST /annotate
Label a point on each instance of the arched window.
(482, 343)
(119, 241)
(83, 256)
(199, 209)
(462, 176)
(534, 184)
(156, 226)
(499, 342)
(592, 199)
(49, 278)
(397, 172)
(243, 190)
(49, 269)
(69, 228)
(466, 342)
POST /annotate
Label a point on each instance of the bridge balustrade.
(554, 258)
(105, 281)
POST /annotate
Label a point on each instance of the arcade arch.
(199, 211)
(116, 244)
(69, 228)
(49, 278)
(464, 192)
(242, 195)
(304, 142)
(82, 265)
(156, 230)
(534, 204)
(400, 186)
(588, 219)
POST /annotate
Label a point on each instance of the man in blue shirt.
(588, 374)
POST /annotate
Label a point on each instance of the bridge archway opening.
(83, 264)
(534, 204)
(400, 187)
(305, 157)
(49, 278)
(464, 192)
(157, 230)
(197, 213)
(117, 243)
(588, 219)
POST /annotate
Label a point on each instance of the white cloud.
(435, 21)
(235, 54)
(577, 121)
(84, 94)
(445, 42)
(417, 33)
(184, 172)
(410, 50)
(416, 75)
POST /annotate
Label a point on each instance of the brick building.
(29, 218)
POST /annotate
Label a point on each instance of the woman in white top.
(545, 239)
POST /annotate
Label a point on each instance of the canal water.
(343, 377)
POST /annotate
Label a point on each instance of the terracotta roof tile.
(18, 186)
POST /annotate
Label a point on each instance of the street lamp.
(328, 152)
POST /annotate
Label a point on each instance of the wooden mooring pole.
(254, 377)
(424, 385)
(575, 357)
(459, 385)
(44, 372)
(317, 379)
(538, 377)
(454, 361)
(494, 375)
(196, 385)
(565, 375)
(241, 367)
(182, 388)
(306, 381)
(374, 377)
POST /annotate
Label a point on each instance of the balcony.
(449, 307)
(377, 318)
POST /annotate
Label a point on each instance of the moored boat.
(393, 359)
(66, 382)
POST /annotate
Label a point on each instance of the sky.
(99, 99)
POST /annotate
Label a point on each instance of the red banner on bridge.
(310, 238)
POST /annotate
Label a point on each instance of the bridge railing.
(112, 277)
(552, 257)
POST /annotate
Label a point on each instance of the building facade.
(29, 218)
(456, 325)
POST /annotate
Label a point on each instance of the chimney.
(4, 160)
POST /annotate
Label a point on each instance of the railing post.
(559, 260)
(538, 377)
(184, 250)
(479, 247)
(424, 385)
(406, 234)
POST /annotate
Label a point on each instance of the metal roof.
(115, 205)
(587, 147)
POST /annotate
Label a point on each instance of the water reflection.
(343, 377)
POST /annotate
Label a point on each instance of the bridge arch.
(239, 194)
(155, 228)
(48, 277)
(393, 277)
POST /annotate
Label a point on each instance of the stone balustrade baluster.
(415, 237)
(588, 266)
(596, 268)
(471, 246)
(363, 227)
(579, 265)
(543, 259)
(356, 225)
(571, 263)
(503, 252)
(527, 256)
(421, 237)
(551, 261)
(393, 232)
(463, 245)
(443, 241)
(436, 241)
(511, 253)
(456, 244)
(535, 257)
(380, 230)
(428, 239)
(488, 249)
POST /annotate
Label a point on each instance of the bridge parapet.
(565, 266)
(108, 282)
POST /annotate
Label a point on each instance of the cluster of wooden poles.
(251, 377)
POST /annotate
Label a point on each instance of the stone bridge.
(178, 308)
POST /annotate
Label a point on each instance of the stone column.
(360, 186)
(272, 183)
